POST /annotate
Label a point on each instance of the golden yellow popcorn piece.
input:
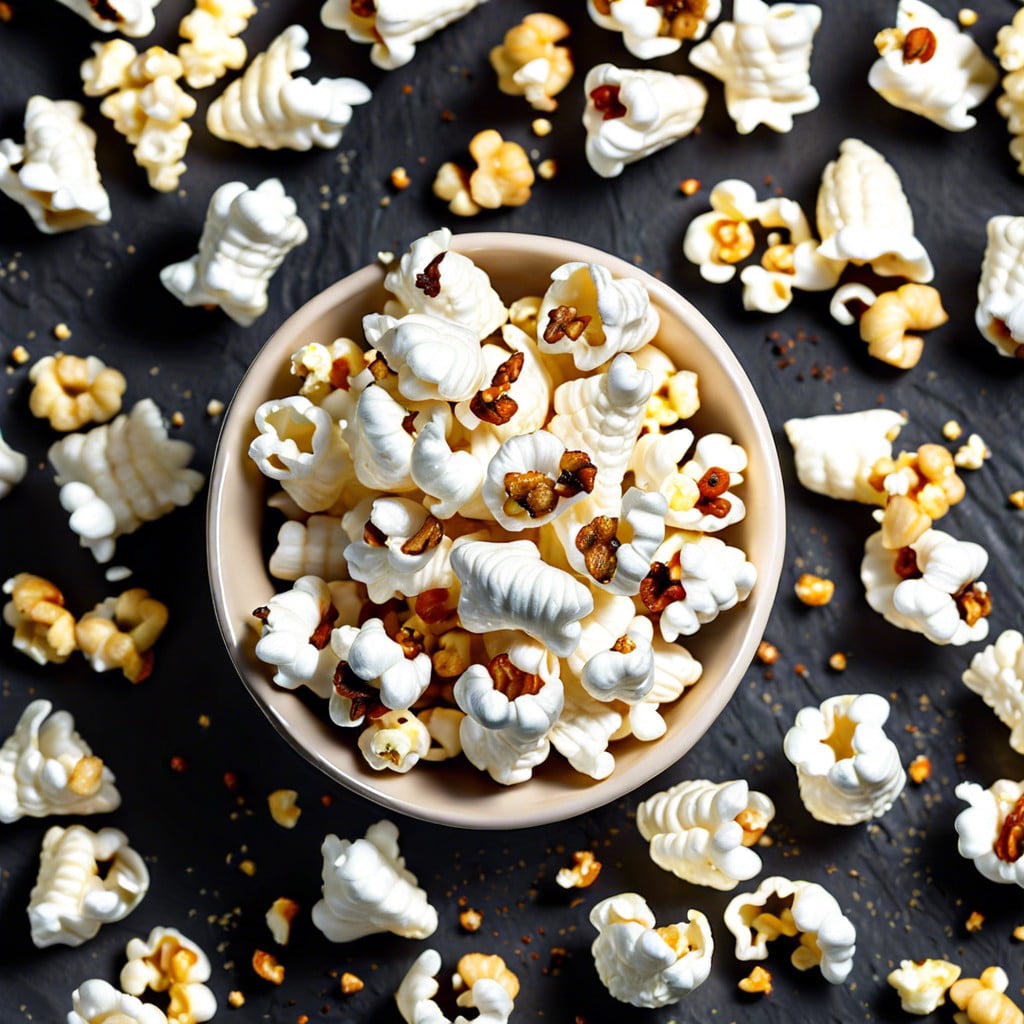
(283, 808)
(70, 391)
(279, 919)
(119, 632)
(983, 999)
(528, 63)
(758, 980)
(584, 871)
(43, 628)
(503, 177)
(350, 983)
(887, 322)
(474, 966)
(470, 919)
(267, 967)
(212, 29)
(814, 590)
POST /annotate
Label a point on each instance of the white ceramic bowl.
(454, 792)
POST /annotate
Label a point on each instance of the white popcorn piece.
(213, 48)
(1010, 103)
(295, 635)
(763, 58)
(443, 725)
(675, 670)
(703, 832)
(611, 616)
(167, 961)
(922, 984)
(327, 373)
(675, 395)
(396, 741)
(415, 996)
(122, 474)
(625, 671)
(315, 547)
(1000, 310)
(47, 768)
(367, 889)
(648, 31)
(246, 236)
(132, 17)
(302, 447)
(97, 1002)
(53, 173)
(989, 830)
(836, 453)
(847, 769)
(614, 315)
(936, 593)
(279, 919)
(464, 292)
(647, 966)
(973, 454)
(631, 114)
(996, 674)
(394, 27)
(928, 66)
(864, 215)
(508, 586)
(434, 359)
(583, 731)
(70, 900)
(269, 108)
(827, 937)
(13, 466)
(451, 479)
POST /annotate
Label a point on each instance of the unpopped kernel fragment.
(655, 29)
(922, 984)
(120, 633)
(529, 63)
(266, 966)
(167, 961)
(996, 674)
(43, 628)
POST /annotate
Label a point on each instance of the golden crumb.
(967, 17)
(214, 407)
(283, 807)
(1018, 933)
(400, 179)
(266, 966)
(919, 769)
(247, 867)
(177, 419)
(19, 355)
(204, 721)
(1017, 499)
(62, 332)
(758, 980)
(974, 921)
(541, 127)
(689, 186)
(814, 590)
(767, 653)
(236, 999)
(837, 662)
(385, 201)
(470, 919)
(960, 757)
(951, 430)
(547, 169)
(584, 871)
(351, 983)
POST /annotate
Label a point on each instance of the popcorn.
(625, 671)
(70, 900)
(647, 966)
(675, 395)
(380, 448)
(393, 26)
(146, 104)
(212, 29)
(929, 587)
(583, 873)
(70, 391)
(120, 633)
(13, 466)
(1010, 103)
(592, 316)
(886, 324)
(246, 236)
(488, 996)
(367, 889)
(43, 628)
(53, 173)
(47, 768)
(396, 741)
(96, 1001)
(528, 63)
(922, 984)
(657, 29)
(983, 1000)
(503, 177)
(443, 726)
(991, 830)
(928, 66)
(864, 216)
(848, 770)
(763, 58)
(166, 961)
(999, 313)
(279, 919)
(827, 937)
(583, 731)
(132, 17)
(451, 479)
(703, 831)
(120, 475)
(271, 109)
(996, 674)
(313, 548)
(631, 114)
(675, 670)
(973, 454)
(283, 807)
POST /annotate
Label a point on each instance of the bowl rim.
(769, 570)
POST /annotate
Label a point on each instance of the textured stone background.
(899, 878)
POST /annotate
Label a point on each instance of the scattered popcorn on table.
(70, 391)
(864, 216)
(168, 962)
(271, 109)
(814, 591)
(890, 316)
(991, 830)
(53, 173)
(279, 919)
(146, 105)
(655, 29)
(583, 873)
(922, 984)
(486, 993)
(920, 769)
(246, 236)
(647, 966)
(97, 1002)
(503, 177)
(367, 889)
(43, 628)
(999, 314)
(757, 981)
(631, 114)
(47, 768)
(72, 898)
(973, 454)
(132, 17)
(703, 831)
(996, 674)
(826, 936)
(984, 1001)
(930, 587)
(528, 63)
(213, 48)
(763, 58)
(266, 966)
(847, 769)
(394, 27)
(13, 466)
(1009, 50)
(928, 66)
(120, 633)
(284, 808)
(351, 983)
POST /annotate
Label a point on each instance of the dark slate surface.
(899, 878)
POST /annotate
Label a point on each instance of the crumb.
(967, 17)
(400, 179)
(177, 419)
(283, 808)
(541, 126)
(326, 800)
(758, 980)
(1017, 499)
(447, 115)
(214, 407)
(919, 769)
(178, 764)
(247, 867)
(470, 919)
(407, 89)
(951, 430)
(117, 573)
(960, 757)
(814, 590)
(837, 662)
(267, 967)
(236, 999)
(19, 355)
(1018, 933)
(974, 921)
(204, 721)
(230, 781)
(689, 186)
(801, 670)
(385, 201)
(547, 169)
(767, 653)
(62, 332)
(385, 257)
(351, 983)
(972, 454)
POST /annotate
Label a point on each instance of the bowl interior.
(454, 792)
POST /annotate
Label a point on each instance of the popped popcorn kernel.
(71, 391)
(547, 169)
(984, 999)
(214, 407)
(267, 967)
(975, 921)
(583, 873)
(470, 919)
(283, 807)
(757, 981)
(247, 867)
(351, 983)
(43, 628)
(967, 17)
(20, 355)
(1016, 499)
(837, 662)
(689, 186)
(919, 769)
(62, 332)
(503, 176)
(951, 430)
(279, 919)
(972, 454)
(814, 590)
(236, 999)
(541, 127)
(399, 178)
(1018, 933)
(474, 966)
(767, 653)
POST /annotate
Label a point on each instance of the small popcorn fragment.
(758, 981)
(1018, 933)
(283, 808)
(767, 653)
(814, 590)
(583, 873)
(267, 967)
(975, 921)
(689, 186)
(951, 430)
(351, 983)
(62, 332)
(470, 919)
(972, 454)
(547, 169)
(1016, 499)
(247, 867)
(967, 17)
(922, 984)
(399, 178)
(214, 407)
(837, 662)
(919, 769)
(279, 919)
(20, 355)
(236, 999)
(541, 127)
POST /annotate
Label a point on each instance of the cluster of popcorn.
(498, 524)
